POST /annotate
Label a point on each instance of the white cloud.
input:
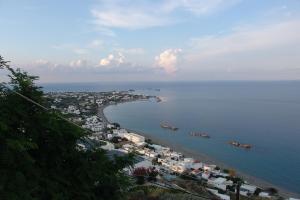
(148, 13)
(78, 63)
(247, 39)
(203, 7)
(80, 51)
(75, 48)
(260, 52)
(63, 46)
(103, 30)
(96, 44)
(42, 63)
(127, 18)
(131, 51)
(113, 60)
(168, 60)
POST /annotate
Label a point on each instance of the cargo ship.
(199, 134)
(237, 144)
(168, 126)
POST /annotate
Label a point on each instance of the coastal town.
(155, 164)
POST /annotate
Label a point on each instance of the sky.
(152, 40)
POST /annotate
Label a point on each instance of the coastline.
(203, 157)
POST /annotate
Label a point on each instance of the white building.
(205, 175)
(219, 183)
(197, 165)
(119, 132)
(128, 147)
(209, 167)
(110, 126)
(109, 146)
(160, 149)
(73, 110)
(151, 154)
(179, 167)
(264, 195)
(135, 138)
(144, 164)
(221, 196)
(245, 189)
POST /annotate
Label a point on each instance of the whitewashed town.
(154, 163)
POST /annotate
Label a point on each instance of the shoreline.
(203, 157)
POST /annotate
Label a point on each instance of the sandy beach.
(204, 158)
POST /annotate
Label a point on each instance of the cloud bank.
(246, 39)
(167, 60)
(112, 60)
(148, 13)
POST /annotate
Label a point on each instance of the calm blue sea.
(264, 114)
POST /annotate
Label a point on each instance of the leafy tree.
(154, 161)
(149, 141)
(117, 125)
(38, 154)
(257, 191)
(272, 190)
(116, 139)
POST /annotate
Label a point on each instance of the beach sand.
(206, 159)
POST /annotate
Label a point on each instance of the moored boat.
(199, 134)
(168, 126)
(237, 144)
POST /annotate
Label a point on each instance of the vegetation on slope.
(38, 154)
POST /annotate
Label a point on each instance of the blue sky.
(152, 40)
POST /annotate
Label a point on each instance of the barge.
(237, 144)
(199, 134)
(168, 126)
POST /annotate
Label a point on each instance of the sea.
(265, 114)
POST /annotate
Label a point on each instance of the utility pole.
(238, 185)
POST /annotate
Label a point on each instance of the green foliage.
(257, 191)
(117, 125)
(151, 192)
(154, 161)
(272, 190)
(149, 147)
(149, 141)
(236, 180)
(116, 139)
(38, 154)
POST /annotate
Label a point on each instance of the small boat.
(199, 134)
(168, 126)
(246, 146)
(237, 144)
